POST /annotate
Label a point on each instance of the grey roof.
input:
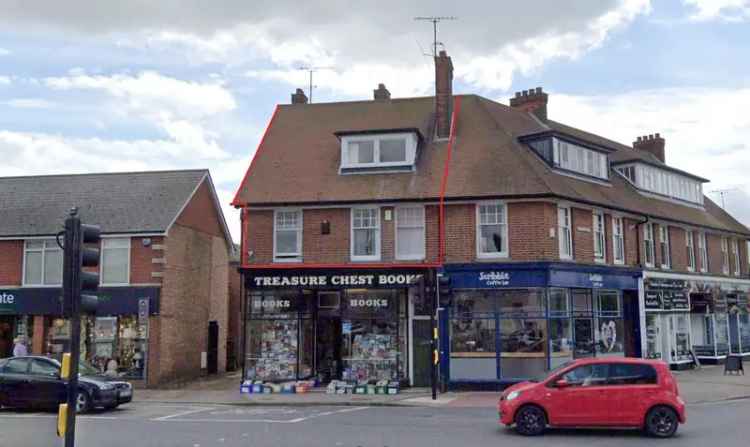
(130, 202)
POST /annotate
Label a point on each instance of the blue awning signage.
(48, 300)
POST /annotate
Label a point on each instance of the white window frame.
(736, 255)
(648, 236)
(43, 250)
(411, 256)
(703, 251)
(565, 227)
(288, 257)
(572, 157)
(103, 259)
(690, 247)
(503, 225)
(747, 252)
(600, 235)
(724, 255)
(378, 235)
(618, 239)
(410, 150)
(664, 247)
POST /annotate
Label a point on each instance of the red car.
(602, 392)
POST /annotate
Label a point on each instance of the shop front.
(115, 340)
(667, 306)
(509, 322)
(351, 325)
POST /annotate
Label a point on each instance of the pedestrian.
(19, 347)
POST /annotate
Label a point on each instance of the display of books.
(278, 352)
(374, 357)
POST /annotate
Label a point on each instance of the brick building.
(557, 243)
(164, 255)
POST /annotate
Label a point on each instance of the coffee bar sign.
(7, 303)
(321, 281)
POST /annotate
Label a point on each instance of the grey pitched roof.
(130, 202)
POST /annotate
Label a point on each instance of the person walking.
(19, 347)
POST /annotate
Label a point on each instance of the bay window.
(410, 232)
(287, 235)
(492, 230)
(600, 250)
(564, 232)
(618, 240)
(689, 246)
(43, 263)
(115, 267)
(365, 234)
(648, 244)
(666, 260)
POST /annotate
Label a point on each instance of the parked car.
(597, 392)
(34, 382)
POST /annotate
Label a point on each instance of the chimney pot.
(538, 90)
(532, 100)
(299, 97)
(653, 144)
(381, 93)
(518, 94)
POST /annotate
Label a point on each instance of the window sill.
(619, 262)
(414, 258)
(126, 284)
(489, 256)
(600, 260)
(43, 286)
(287, 260)
(365, 259)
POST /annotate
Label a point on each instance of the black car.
(35, 382)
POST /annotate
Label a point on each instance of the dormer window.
(663, 182)
(570, 155)
(378, 151)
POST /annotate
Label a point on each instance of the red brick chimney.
(381, 93)
(533, 100)
(443, 94)
(299, 97)
(653, 144)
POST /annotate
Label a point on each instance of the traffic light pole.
(72, 299)
(433, 335)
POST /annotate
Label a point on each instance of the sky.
(176, 84)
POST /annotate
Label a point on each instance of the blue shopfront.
(504, 323)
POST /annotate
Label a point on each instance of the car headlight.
(512, 395)
(106, 387)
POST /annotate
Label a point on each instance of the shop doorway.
(422, 351)
(6, 336)
(328, 348)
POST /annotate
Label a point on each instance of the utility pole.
(312, 69)
(435, 20)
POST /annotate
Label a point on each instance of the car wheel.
(661, 422)
(530, 421)
(83, 402)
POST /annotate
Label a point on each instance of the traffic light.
(445, 291)
(90, 234)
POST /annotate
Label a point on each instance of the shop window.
(492, 230)
(608, 303)
(522, 303)
(703, 251)
(410, 233)
(473, 302)
(561, 341)
(648, 244)
(523, 347)
(689, 246)
(473, 350)
(365, 234)
(43, 262)
(581, 302)
(600, 250)
(724, 256)
(272, 349)
(115, 265)
(618, 240)
(666, 258)
(559, 305)
(287, 235)
(564, 232)
(653, 336)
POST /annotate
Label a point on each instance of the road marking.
(182, 413)
(174, 418)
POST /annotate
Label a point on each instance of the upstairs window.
(690, 247)
(600, 251)
(618, 240)
(43, 263)
(666, 258)
(287, 235)
(703, 251)
(365, 234)
(747, 250)
(378, 151)
(115, 268)
(492, 230)
(564, 231)
(573, 157)
(724, 256)
(736, 256)
(410, 234)
(665, 183)
(648, 244)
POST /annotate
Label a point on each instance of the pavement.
(708, 384)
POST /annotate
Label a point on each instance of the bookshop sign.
(331, 279)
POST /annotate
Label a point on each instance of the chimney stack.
(654, 144)
(381, 93)
(443, 94)
(299, 97)
(533, 100)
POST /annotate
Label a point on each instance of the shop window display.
(609, 326)
(560, 327)
(523, 347)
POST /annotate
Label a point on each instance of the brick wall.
(678, 249)
(234, 324)
(201, 213)
(219, 296)
(259, 236)
(583, 236)
(325, 248)
(715, 259)
(632, 241)
(142, 265)
(432, 233)
(529, 227)
(460, 240)
(11, 263)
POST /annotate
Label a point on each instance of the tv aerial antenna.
(312, 69)
(722, 193)
(435, 20)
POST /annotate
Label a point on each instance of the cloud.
(38, 153)
(4, 80)
(727, 10)
(706, 129)
(4, 52)
(30, 103)
(490, 42)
